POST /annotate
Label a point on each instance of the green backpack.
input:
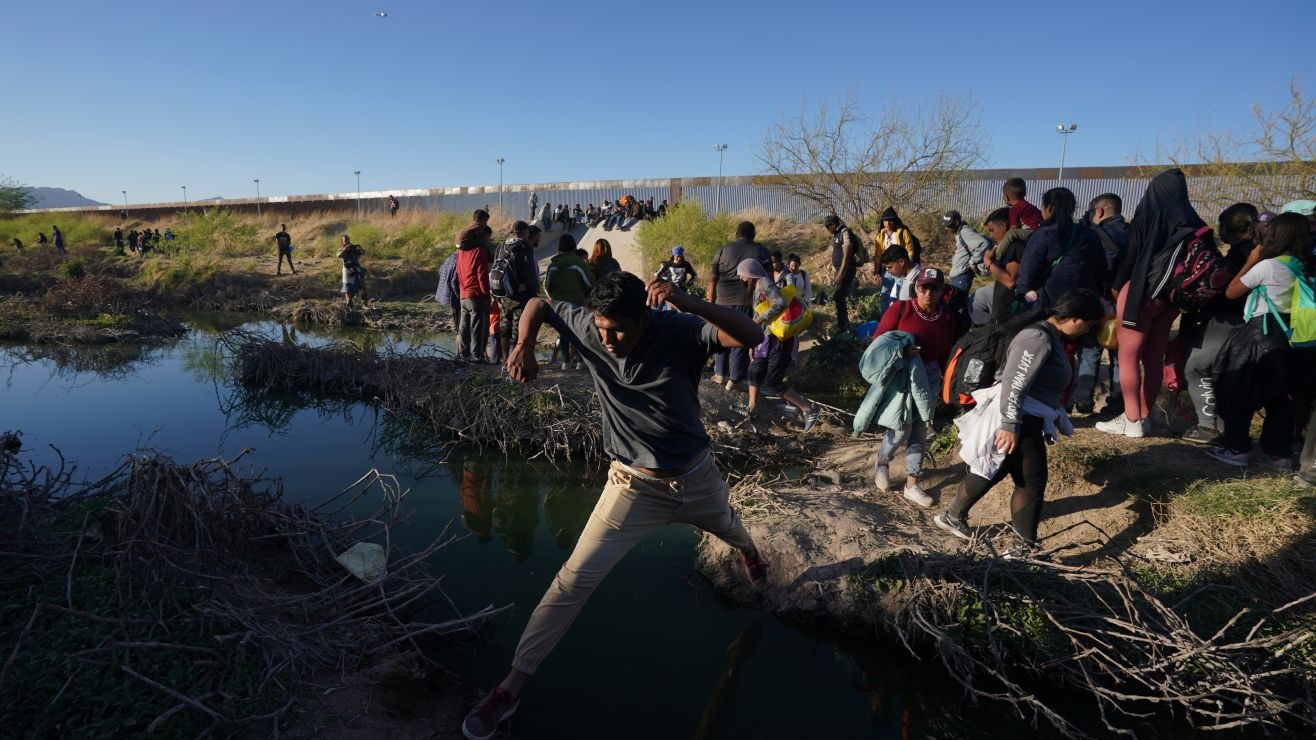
(1301, 329)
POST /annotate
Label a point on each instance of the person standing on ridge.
(284, 244)
(844, 246)
(59, 240)
(534, 205)
(645, 365)
(392, 206)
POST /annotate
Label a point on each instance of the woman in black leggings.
(1033, 379)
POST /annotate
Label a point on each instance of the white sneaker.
(915, 494)
(1124, 425)
(882, 477)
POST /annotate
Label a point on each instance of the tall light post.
(358, 192)
(1064, 132)
(257, 181)
(184, 187)
(717, 197)
(125, 200)
(501, 162)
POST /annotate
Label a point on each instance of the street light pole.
(1064, 132)
(717, 198)
(358, 192)
(500, 182)
(257, 181)
(184, 187)
(125, 200)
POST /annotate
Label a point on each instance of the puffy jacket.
(900, 387)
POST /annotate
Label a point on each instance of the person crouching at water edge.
(1008, 429)
(646, 366)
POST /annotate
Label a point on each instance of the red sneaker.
(756, 569)
(482, 721)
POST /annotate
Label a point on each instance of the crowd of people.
(622, 214)
(1064, 294)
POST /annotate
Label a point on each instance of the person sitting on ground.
(927, 319)
(616, 214)
(645, 366)
(1022, 213)
(568, 279)
(577, 215)
(354, 275)
(966, 261)
(18, 245)
(773, 357)
(1253, 366)
(283, 244)
(1163, 221)
(897, 263)
(601, 260)
(677, 270)
(1031, 383)
(796, 277)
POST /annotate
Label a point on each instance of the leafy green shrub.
(685, 224)
(74, 269)
(218, 231)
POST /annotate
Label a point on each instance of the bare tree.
(854, 166)
(1270, 163)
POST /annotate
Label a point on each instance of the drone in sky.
(382, 14)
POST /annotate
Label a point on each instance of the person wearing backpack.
(514, 279)
(1032, 381)
(725, 289)
(1254, 362)
(473, 291)
(1107, 222)
(1209, 328)
(846, 249)
(354, 275)
(1163, 222)
(1060, 257)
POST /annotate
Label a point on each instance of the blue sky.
(148, 96)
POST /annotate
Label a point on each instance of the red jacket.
(473, 272)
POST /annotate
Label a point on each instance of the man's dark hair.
(534, 230)
(832, 221)
(619, 295)
(520, 226)
(745, 230)
(793, 257)
(283, 227)
(1109, 202)
(479, 214)
(1015, 187)
(894, 253)
(1239, 222)
(1078, 304)
(566, 243)
(1000, 215)
(777, 255)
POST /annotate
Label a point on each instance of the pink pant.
(1142, 354)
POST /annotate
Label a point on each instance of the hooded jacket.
(568, 278)
(1082, 263)
(1164, 219)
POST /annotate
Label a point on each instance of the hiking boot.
(953, 525)
(482, 721)
(1125, 426)
(1277, 464)
(1202, 436)
(915, 494)
(756, 568)
(1236, 458)
(810, 419)
(882, 477)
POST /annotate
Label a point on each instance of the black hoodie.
(1164, 219)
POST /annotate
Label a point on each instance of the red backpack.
(1199, 273)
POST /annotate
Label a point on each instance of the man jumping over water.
(646, 367)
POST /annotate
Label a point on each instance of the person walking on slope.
(845, 244)
(773, 357)
(283, 243)
(1008, 436)
(645, 365)
(568, 280)
(473, 288)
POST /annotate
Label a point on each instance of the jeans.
(733, 364)
(1089, 369)
(912, 436)
(631, 508)
(473, 328)
(962, 281)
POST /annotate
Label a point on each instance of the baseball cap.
(950, 217)
(1301, 207)
(931, 276)
(678, 249)
(1264, 217)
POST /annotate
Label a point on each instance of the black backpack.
(506, 271)
(972, 364)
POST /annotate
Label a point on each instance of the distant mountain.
(61, 198)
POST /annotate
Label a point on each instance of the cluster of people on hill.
(622, 214)
(56, 238)
(139, 242)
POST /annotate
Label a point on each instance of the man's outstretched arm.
(734, 329)
(521, 363)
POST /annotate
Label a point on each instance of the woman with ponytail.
(1031, 382)
(1061, 256)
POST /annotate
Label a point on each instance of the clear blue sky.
(150, 95)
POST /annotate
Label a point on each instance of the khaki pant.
(630, 509)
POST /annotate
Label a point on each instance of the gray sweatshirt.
(1035, 366)
(969, 248)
